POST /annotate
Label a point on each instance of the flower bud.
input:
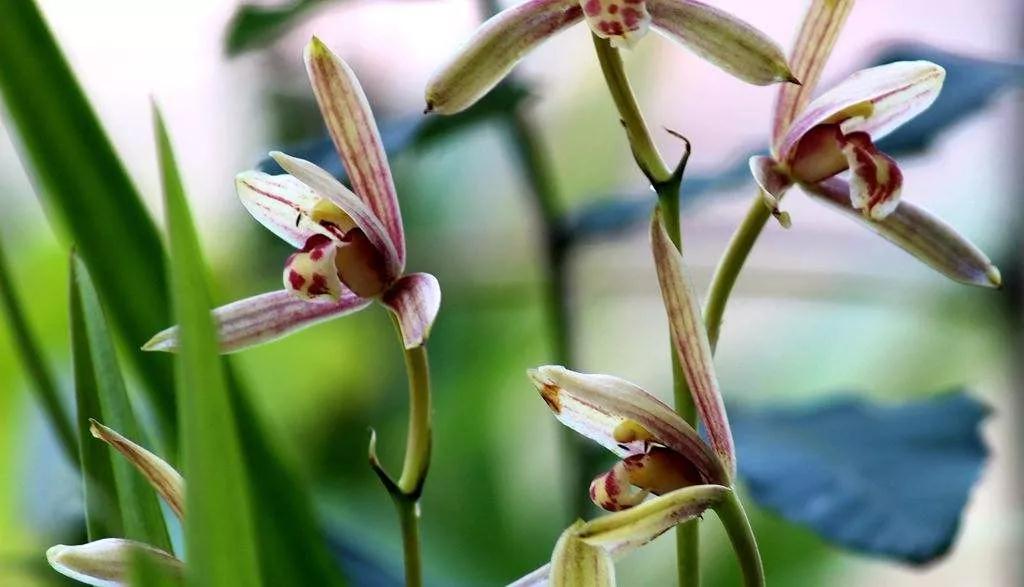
(107, 562)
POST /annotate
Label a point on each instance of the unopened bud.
(107, 562)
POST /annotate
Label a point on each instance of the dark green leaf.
(147, 573)
(884, 480)
(105, 399)
(254, 26)
(85, 189)
(43, 381)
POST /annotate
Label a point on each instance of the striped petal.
(875, 101)
(415, 300)
(622, 22)
(818, 34)
(362, 216)
(921, 234)
(165, 480)
(354, 131)
(691, 342)
(596, 406)
(722, 39)
(495, 49)
(281, 203)
(613, 492)
(264, 318)
(107, 562)
(773, 184)
(875, 179)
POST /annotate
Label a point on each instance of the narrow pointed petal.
(495, 49)
(822, 24)
(622, 22)
(107, 562)
(575, 563)
(613, 492)
(691, 343)
(264, 318)
(920, 233)
(164, 478)
(875, 178)
(876, 101)
(280, 203)
(366, 219)
(773, 184)
(354, 131)
(722, 39)
(597, 405)
(415, 299)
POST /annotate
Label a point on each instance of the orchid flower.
(108, 562)
(507, 37)
(814, 141)
(350, 245)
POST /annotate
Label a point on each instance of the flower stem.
(409, 516)
(667, 184)
(737, 526)
(729, 266)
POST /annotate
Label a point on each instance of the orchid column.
(350, 252)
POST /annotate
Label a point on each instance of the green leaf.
(86, 191)
(219, 528)
(102, 395)
(35, 365)
(254, 26)
(146, 572)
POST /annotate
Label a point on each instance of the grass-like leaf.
(147, 573)
(254, 26)
(42, 378)
(85, 188)
(102, 395)
(219, 528)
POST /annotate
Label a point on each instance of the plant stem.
(409, 516)
(729, 266)
(741, 535)
(668, 187)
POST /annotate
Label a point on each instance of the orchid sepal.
(414, 300)
(108, 562)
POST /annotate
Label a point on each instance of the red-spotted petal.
(597, 405)
(415, 300)
(722, 39)
(354, 131)
(875, 100)
(622, 22)
(613, 492)
(920, 233)
(822, 23)
(875, 179)
(311, 273)
(263, 318)
(691, 342)
(495, 49)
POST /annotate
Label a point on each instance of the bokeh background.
(822, 309)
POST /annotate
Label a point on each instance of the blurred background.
(822, 309)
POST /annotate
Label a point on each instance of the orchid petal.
(921, 234)
(773, 184)
(818, 34)
(311, 273)
(575, 562)
(264, 318)
(622, 22)
(351, 125)
(722, 39)
(165, 480)
(596, 405)
(107, 562)
(495, 49)
(691, 342)
(537, 578)
(875, 180)
(326, 186)
(281, 203)
(415, 300)
(876, 101)
(613, 492)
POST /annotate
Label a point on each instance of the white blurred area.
(125, 51)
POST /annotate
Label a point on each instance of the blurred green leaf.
(146, 573)
(102, 395)
(86, 190)
(254, 26)
(35, 365)
(219, 528)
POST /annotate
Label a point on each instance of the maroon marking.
(592, 7)
(296, 280)
(631, 18)
(316, 254)
(319, 286)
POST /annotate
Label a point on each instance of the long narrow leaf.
(139, 509)
(84, 186)
(27, 347)
(219, 528)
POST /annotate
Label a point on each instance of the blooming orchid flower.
(507, 37)
(815, 141)
(350, 245)
(108, 562)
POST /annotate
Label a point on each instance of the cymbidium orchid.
(507, 37)
(350, 246)
(815, 141)
(107, 562)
